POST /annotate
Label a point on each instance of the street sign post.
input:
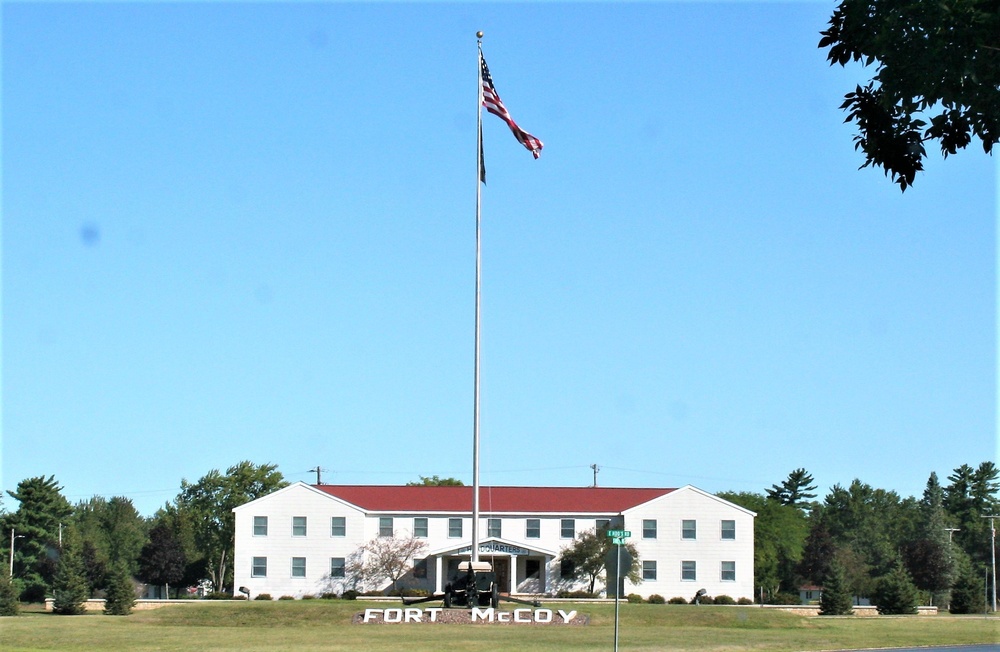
(618, 538)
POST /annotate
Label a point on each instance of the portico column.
(437, 574)
(548, 574)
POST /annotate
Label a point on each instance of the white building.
(301, 539)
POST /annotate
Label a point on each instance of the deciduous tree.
(162, 560)
(588, 552)
(390, 558)
(210, 503)
(936, 77)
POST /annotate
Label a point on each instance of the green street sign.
(618, 541)
(619, 534)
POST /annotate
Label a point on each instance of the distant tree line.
(872, 543)
(73, 552)
(858, 541)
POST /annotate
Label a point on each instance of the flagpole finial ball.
(479, 35)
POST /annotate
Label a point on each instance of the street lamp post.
(12, 538)
(993, 556)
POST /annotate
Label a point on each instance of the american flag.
(493, 104)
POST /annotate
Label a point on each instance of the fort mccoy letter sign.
(476, 616)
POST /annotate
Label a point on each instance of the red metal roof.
(520, 500)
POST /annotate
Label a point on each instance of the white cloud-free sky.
(247, 231)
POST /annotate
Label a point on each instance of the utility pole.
(317, 471)
(993, 555)
(597, 470)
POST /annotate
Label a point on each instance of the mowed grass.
(327, 625)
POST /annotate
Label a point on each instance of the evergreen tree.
(69, 586)
(836, 597)
(120, 593)
(41, 511)
(9, 604)
(968, 595)
(929, 556)
(796, 490)
(895, 593)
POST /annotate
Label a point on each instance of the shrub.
(706, 599)
(9, 605)
(744, 601)
(328, 595)
(218, 595)
(634, 598)
(350, 594)
(784, 598)
(724, 599)
(308, 596)
(655, 599)
(287, 597)
(677, 600)
(263, 596)
(575, 594)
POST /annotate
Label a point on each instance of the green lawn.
(326, 625)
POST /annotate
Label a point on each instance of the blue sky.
(247, 231)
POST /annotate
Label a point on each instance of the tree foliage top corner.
(937, 77)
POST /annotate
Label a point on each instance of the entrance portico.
(518, 569)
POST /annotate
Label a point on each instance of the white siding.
(668, 550)
(708, 550)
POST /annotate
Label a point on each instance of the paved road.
(950, 648)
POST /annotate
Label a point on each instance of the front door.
(501, 566)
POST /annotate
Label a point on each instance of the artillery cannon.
(475, 586)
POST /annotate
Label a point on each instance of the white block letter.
(393, 616)
(567, 616)
(370, 613)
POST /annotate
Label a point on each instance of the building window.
(602, 524)
(420, 528)
(728, 530)
(493, 527)
(385, 526)
(566, 568)
(649, 528)
(689, 529)
(338, 526)
(532, 569)
(689, 571)
(728, 571)
(567, 528)
(298, 566)
(455, 528)
(260, 526)
(338, 567)
(258, 567)
(420, 568)
(533, 529)
(649, 570)
(298, 526)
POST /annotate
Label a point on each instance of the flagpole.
(475, 410)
